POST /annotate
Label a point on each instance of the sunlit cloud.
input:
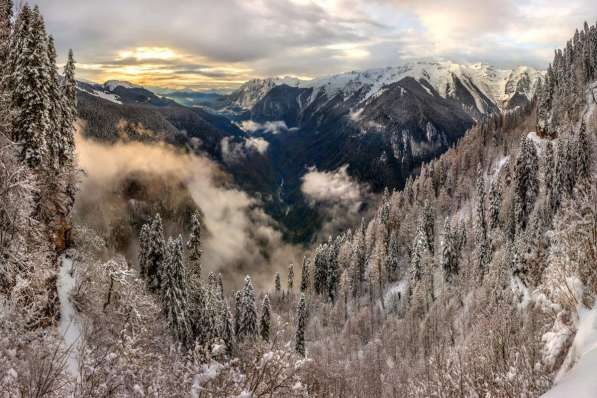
(202, 44)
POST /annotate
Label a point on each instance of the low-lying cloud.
(270, 127)
(342, 199)
(234, 152)
(241, 238)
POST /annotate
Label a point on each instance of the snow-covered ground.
(113, 84)
(69, 326)
(107, 96)
(539, 142)
(499, 165)
(579, 377)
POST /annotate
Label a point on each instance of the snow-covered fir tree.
(154, 258)
(68, 116)
(28, 84)
(483, 249)
(277, 283)
(290, 283)
(248, 311)
(495, 205)
(194, 251)
(526, 182)
(392, 260)
(174, 291)
(265, 320)
(449, 260)
(301, 323)
(305, 277)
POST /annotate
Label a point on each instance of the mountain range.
(382, 124)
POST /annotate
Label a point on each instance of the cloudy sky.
(218, 44)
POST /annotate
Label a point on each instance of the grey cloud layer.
(271, 37)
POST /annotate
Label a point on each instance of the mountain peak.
(113, 84)
(484, 80)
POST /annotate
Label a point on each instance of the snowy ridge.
(498, 85)
(111, 85)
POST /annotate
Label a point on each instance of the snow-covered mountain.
(485, 83)
(111, 85)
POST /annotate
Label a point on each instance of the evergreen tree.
(559, 177)
(248, 313)
(359, 260)
(526, 184)
(6, 7)
(220, 285)
(54, 138)
(301, 316)
(277, 283)
(495, 203)
(200, 325)
(449, 260)
(212, 281)
(392, 258)
(66, 147)
(144, 247)
(548, 168)
(290, 277)
(155, 254)
(228, 335)
(213, 321)
(483, 250)
(584, 155)
(321, 269)
(333, 273)
(419, 250)
(429, 225)
(174, 291)
(29, 86)
(194, 246)
(264, 323)
(305, 276)
(238, 310)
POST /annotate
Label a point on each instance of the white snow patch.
(108, 96)
(208, 372)
(579, 381)
(539, 142)
(113, 84)
(393, 291)
(499, 166)
(68, 326)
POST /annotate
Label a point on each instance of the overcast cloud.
(205, 44)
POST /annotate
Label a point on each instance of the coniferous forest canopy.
(421, 229)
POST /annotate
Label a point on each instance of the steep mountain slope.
(399, 116)
(488, 86)
(122, 111)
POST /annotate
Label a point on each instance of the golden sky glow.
(166, 67)
(207, 44)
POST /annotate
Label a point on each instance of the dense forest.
(471, 281)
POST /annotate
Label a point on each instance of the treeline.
(563, 95)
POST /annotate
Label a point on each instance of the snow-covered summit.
(113, 84)
(479, 79)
